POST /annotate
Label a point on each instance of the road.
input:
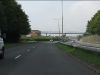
(42, 58)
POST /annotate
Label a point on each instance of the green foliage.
(93, 26)
(2, 18)
(40, 38)
(15, 21)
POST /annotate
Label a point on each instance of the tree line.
(93, 26)
(13, 21)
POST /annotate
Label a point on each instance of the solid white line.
(18, 56)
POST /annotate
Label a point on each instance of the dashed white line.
(18, 56)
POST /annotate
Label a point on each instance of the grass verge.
(10, 45)
(91, 58)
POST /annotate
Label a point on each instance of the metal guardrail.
(87, 46)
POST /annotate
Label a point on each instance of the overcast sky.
(44, 15)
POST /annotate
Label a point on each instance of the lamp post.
(58, 25)
(62, 16)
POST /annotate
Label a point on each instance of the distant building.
(34, 33)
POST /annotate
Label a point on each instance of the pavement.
(42, 58)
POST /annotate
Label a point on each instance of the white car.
(1, 48)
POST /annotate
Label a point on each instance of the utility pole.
(58, 27)
(62, 16)
(57, 19)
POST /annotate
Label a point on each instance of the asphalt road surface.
(40, 59)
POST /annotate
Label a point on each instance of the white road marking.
(18, 56)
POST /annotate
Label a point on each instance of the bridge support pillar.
(65, 34)
(46, 34)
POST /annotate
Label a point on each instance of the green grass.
(10, 45)
(85, 55)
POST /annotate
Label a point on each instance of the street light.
(62, 16)
(58, 25)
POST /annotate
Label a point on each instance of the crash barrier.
(87, 46)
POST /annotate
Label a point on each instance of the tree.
(17, 21)
(3, 25)
(93, 26)
(22, 20)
